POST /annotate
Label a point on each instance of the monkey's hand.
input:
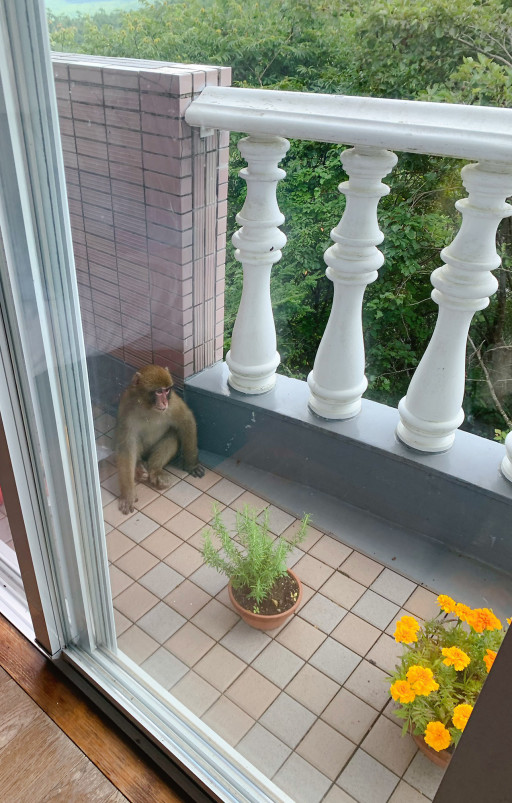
(198, 471)
(127, 505)
(159, 480)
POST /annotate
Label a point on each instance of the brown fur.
(151, 428)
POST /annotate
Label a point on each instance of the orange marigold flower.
(437, 736)
(422, 680)
(461, 714)
(447, 604)
(482, 619)
(453, 656)
(406, 630)
(489, 659)
(509, 621)
(462, 611)
(402, 692)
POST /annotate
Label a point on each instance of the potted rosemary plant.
(261, 589)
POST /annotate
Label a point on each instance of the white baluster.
(253, 358)
(506, 463)
(337, 380)
(431, 411)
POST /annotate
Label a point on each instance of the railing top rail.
(442, 129)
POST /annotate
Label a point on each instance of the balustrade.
(431, 411)
(337, 380)
(253, 358)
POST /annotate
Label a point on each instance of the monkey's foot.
(141, 473)
(159, 480)
(126, 505)
(198, 471)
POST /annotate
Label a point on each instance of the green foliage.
(252, 560)
(455, 51)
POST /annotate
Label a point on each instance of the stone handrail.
(431, 411)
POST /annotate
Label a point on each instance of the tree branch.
(499, 406)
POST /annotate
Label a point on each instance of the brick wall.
(148, 203)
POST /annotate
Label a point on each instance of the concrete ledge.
(458, 498)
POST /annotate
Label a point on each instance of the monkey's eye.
(163, 390)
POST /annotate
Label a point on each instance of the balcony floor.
(307, 704)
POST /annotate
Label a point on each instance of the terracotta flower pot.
(442, 757)
(265, 621)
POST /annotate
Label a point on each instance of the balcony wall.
(148, 202)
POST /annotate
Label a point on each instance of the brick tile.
(330, 551)
(189, 644)
(136, 562)
(165, 668)
(202, 507)
(360, 568)
(367, 780)
(406, 794)
(350, 715)
(161, 510)
(184, 524)
(220, 667)
(196, 693)
(245, 642)
(209, 579)
(137, 527)
(161, 580)
(119, 581)
(225, 491)
(117, 544)
(161, 622)
(187, 598)
(322, 613)
(422, 603)
(135, 601)
(278, 664)
(121, 623)
(185, 559)
(312, 688)
(264, 750)
(369, 683)
(183, 493)
(287, 719)
(335, 660)
(301, 637)
(301, 781)
(375, 609)
(215, 619)
(136, 644)
(386, 653)
(386, 744)
(343, 590)
(423, 775)
(326, 749)
(337, 795)
(253, 692)
(228, 720)
(312, 571)
(311, 538)
(356, 634)
(393, 586)
(278, 520)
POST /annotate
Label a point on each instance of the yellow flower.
(482, 619)
(461, 714)
(462, 611)
(453, 656)
(402, 692)
(446, 604)
(489, 659)
(406, 630)
(422, 680)
(509, 621)
(437, 736)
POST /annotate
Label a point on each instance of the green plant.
(252, 559)
(443, 669)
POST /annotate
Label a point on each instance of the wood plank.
(38, 757)
(105, 745)
(17, 712)
(85, 782)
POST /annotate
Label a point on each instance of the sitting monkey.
(152, 425)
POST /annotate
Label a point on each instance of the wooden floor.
(55, 746)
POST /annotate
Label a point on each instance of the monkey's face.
(161, 398)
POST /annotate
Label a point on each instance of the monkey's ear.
(166, 368)
(136, 378)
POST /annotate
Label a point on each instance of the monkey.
(153, 423)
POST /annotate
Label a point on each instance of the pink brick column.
(148, 205)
